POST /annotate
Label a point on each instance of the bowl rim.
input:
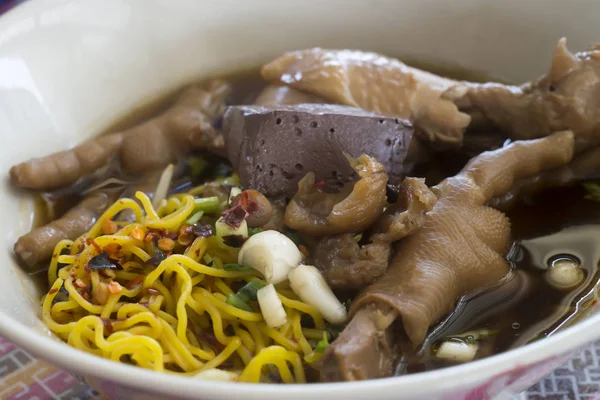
(42, 345)
(570, 340)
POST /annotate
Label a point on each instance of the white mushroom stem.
(308, 283)
(455, 350)
(271, 306)
(272, 254)
(215, 374)
(565, 274)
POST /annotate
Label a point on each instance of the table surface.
(23, 377)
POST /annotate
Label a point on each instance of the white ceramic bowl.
(69, 68)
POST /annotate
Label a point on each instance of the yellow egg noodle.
(173, 317)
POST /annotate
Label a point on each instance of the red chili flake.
(304, 250)
(241, 206)
(115, 287)
(247, 202)
(79, 284)
(85, 295)
(107, 325)
(134, 282)
(234, 216)
(152, 291)
(319, 184)
(52, 291)
(113, 249)
(93, 243)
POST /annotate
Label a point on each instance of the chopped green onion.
(194, 218)
(207, 204)
(322, 344)
(208, 259)
(253, 231)
(197, 166)
(234, 300)
(358, 237)
(235, 267)
(248, 292)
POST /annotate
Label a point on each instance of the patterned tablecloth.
(23, 377)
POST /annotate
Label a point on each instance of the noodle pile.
(172, 316)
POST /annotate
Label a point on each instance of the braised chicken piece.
(567, 97)
(151, 145)
(140, 150)
(376, 83)
(38, 245)
(460, 248)
(353, 209)
(347, 264)
(279, 95)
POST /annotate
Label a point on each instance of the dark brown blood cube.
(272, 148)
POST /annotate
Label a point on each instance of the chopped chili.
(115, 288)
(113, 250)
(93, 243)
(234, 216)
(242, 205)
(79, 283)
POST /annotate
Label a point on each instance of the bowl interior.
(69, 69)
